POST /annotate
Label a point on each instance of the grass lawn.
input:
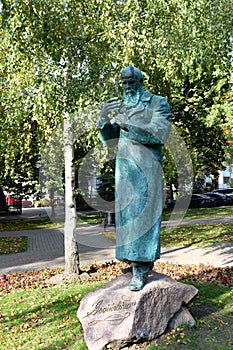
(195, 234)
(198, 235)
(34, 316)
(27, 225)
(43, 318)
(187, 235)
(11, 245)
(204, 213)
(92, 219)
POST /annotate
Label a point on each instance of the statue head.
(131, 78)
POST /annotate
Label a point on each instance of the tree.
(41, 48)
(25, 124)
(182, 48)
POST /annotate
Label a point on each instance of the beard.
(131, 98)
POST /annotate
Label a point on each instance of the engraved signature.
(119, 310)
(116, 318)
(124, 304)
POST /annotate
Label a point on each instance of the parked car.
(201, 201)
(226, 191)
(169, 204)
(195, 201)
(14, 203)
(220, 198)
(26, 203)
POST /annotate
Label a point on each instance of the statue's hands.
(120, 119)
(110, 107)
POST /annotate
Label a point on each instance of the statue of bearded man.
(141, 124)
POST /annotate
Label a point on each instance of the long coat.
(138, 177)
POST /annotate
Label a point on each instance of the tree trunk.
(3, 206)
(70, 241)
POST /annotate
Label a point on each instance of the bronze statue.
(141, 123)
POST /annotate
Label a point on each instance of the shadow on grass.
(221, 249)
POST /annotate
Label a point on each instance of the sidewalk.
(46, 249)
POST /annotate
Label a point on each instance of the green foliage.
(199, 184)
(60, 57)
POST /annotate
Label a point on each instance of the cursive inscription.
(124, 304)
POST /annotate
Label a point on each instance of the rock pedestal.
(115, 316)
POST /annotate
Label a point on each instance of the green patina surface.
(140, 127)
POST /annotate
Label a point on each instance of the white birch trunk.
(70, 241)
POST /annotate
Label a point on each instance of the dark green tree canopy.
(63, 56)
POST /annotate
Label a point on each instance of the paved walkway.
(46, 249)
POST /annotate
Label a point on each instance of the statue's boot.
(130, 268)
(140, 276)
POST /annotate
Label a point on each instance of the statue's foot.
(140, 275)
(137, 283)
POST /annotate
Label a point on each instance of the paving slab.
(46, 249)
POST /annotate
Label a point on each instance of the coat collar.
(146, 96)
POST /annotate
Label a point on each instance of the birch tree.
(182, 48)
